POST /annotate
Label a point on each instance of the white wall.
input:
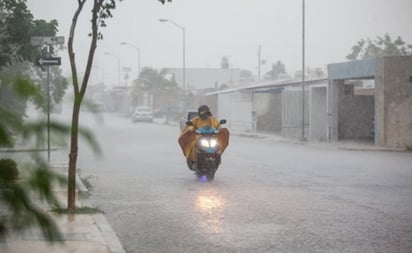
(237, 108)
(318, 114)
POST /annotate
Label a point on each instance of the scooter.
(208, 150)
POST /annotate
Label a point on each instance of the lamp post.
(138, 55)
(184, 57)
(303, 71)
(118, 65)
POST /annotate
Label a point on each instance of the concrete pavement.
(344, 145)
(85, 233)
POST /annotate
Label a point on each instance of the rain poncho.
(188, 137)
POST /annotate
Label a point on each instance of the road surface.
(269, 195)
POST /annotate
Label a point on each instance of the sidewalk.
(344, 145)
(85, 233)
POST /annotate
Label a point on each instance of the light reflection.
(210, 205)
(203, 179)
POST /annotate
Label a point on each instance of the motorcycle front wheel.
(210, 175)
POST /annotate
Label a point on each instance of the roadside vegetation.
(26, 179)
(24, 182)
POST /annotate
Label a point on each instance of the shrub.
(8, 170)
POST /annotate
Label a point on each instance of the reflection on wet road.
(210, 207)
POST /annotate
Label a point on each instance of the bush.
(8, 170)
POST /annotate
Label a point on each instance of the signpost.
(48, 61)
(47, 40)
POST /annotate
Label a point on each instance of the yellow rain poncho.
(188, 137)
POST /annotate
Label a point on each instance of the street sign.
(47, 40)
(47, 61)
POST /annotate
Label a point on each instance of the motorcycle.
(209, 147)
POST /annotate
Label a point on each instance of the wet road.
(268, 196)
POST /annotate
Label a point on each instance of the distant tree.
(223, 86)
(224, 63)
(278, 69)
(382, 46)
(168, 80)
(246, 76)
(151, 79)
(315, 73)
(101, 11)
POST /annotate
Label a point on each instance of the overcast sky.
(235, 28)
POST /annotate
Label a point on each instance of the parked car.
(188, 117)
(142, 113)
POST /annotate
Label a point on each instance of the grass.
(87, 182)
(78, 210)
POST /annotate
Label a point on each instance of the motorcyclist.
(205, 118)
(187, 139)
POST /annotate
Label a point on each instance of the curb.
(108, 234)
(110, 237)
(373, 148)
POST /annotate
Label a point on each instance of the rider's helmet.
(204, 111)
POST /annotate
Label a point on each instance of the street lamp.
(118, 65)
(138, 55)
(184, 42)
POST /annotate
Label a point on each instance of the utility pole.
(138, 56)
(303, 71)
(47, 61)
(183, 49)
(259, 61)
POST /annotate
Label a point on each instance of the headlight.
(204, 143)
(208, 143)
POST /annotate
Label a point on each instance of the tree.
(15, 26)
(101, 10)
(246, 76)
(16, 192)
(21, 182)
(224, 63)
(152, 80)
(58, 86)
(315, 73)
(278, 70)
(16, 89)
(17, 54)
(382, 46)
